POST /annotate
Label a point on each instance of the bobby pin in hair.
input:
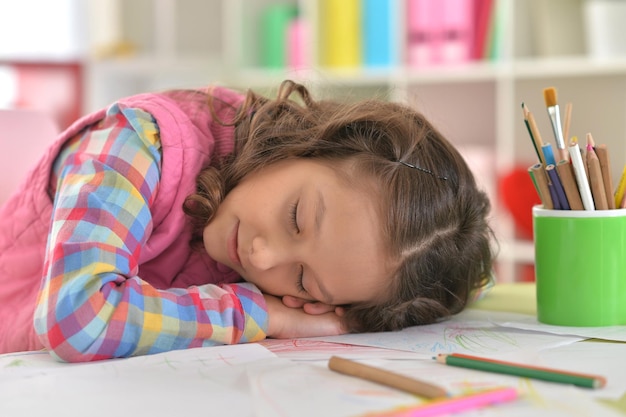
(428, 171)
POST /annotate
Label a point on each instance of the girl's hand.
(290, 322)
(311, 307)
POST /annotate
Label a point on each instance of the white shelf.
(579, 66)
(518, 70)
(148, 65)
(472, 72)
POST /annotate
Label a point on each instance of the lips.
(233, 244)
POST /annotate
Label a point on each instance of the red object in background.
(51, 87)
(24, 135)
(518, 195)
(526, 273)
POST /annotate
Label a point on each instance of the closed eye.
(299, 283)
(294, 216)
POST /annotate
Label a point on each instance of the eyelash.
(300, 278)
(294, 216)
(294, 223)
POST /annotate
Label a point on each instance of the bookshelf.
(476, 104)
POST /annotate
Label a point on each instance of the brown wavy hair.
(435, 216)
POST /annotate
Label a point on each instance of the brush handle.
(555, 119)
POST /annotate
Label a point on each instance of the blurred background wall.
(466, 64)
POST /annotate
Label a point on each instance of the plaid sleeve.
(92, 305)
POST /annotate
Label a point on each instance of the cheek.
(206, 239)
(273, 284)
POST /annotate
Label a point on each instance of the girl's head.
(410, 240)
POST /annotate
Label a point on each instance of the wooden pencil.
(580, 174)
(620, 192)
(388, 378)
(536, 135)
(605, 166)
(453, 405)
(553, 176)
(566, 174)
(541, 179)
(530, 132)
(528, 371)
(548, 154)
(595, 177)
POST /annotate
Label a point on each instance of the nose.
(264, 256)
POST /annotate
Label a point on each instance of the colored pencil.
(581, 175)
(564, 168)
(452, 405)
(605, 166)
(540, 178)
(553, 176)
(595, 177)
(530, 132)
(535, 134)
(548, 154)
(620, 192)
(390, 379)
(534, 372)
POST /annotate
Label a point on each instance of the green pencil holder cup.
(580, 266)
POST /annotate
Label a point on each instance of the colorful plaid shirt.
(105, 180)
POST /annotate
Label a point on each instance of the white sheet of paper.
(309, 389)
(205, 381)
(470, 332)
(286, 388)
(315, 350)
(527, 322)
(599, 358)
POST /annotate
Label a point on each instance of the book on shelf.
(379, 47)
(340, 33)
(482, 22)
(366, 33)
(446, 32)
(275, 21)
(457, 30)
(421, 27)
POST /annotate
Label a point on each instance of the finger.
(318, 308)
(293, 302)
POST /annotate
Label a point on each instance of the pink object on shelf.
(422, 23)
(456, 31)
(439, 32)
(297, 44)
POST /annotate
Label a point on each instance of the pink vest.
(189, 138)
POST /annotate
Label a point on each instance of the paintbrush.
(549, 95)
